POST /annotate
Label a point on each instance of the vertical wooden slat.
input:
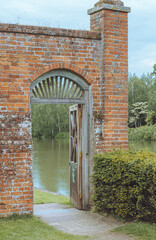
(49, 87)
(64, 84)
(34, 93)
(78, 94)
(67, 89)
(60, 86)
(76, 88)
(71, 90)
(45, 88)
(40, 86)
(52, 84)
(36, 88)
(56, 83)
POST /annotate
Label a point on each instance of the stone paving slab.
(74, 221)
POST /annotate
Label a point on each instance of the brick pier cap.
(115, 5)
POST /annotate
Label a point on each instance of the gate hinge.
(81, 154)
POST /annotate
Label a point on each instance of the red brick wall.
(113, 26)
(26, 53)
(100, 58)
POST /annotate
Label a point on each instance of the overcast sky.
(73, 14)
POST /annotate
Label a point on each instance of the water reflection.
(51, 169)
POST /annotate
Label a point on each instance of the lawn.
(45, 197)
(27, 227)
(142, 231)
(31, 228)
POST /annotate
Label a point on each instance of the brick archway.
(62, 65)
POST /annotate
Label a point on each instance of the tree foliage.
(49, 119)
(142, 91)
(151, 118)
(138, 113)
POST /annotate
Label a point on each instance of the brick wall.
(115, 78)
(26, 52)
(112, 22)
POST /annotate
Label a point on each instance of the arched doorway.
(65, 87)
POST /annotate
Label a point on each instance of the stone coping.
(109, 7)
(48, 31)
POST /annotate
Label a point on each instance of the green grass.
(41, 197)
(27, 227)
(142, 231)
(31, 228)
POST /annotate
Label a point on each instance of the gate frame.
(86, 120)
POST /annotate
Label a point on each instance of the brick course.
(100, 57)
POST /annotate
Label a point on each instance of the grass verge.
(41, 197)
(31, 228)
(142, 231)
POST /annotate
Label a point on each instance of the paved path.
(73, 221)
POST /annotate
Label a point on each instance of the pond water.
(51, 163)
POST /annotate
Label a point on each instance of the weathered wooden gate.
(75, 161)
(65, 87)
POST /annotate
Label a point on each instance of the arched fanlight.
(58, 86)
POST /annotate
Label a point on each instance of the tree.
(49, 119)
(152, 92)
(139, 113)
(141, 89)
(137, 90)
(154, 71)
(151, 118)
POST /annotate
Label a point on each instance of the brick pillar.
(110, 17)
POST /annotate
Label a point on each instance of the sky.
(72, 14)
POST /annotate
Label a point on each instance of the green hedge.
(147, 133)
(125, 184)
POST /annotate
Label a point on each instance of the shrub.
(62, 135)
(146, 133)
(151, 118)
(125, 184)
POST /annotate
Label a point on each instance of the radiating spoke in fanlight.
(57, 87)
